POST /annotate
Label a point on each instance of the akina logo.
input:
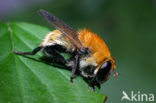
(137, 96)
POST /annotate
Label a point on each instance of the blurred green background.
(127, 26)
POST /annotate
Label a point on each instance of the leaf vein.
(17, 74)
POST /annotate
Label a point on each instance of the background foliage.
(127, 26)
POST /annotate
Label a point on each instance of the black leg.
(91, 85)
(53, 52)
(74, 67)
(94, 83)
(28, 53)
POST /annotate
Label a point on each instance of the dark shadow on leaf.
(30, 58)
(52, 62)
(47, 61)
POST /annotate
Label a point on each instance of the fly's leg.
(92, 84)
(74, 67)
(28, 53)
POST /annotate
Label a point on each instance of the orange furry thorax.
(95, 44)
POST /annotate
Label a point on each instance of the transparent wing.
(64, 28)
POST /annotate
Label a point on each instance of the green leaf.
(27, 80)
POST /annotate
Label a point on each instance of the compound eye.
(103, 71)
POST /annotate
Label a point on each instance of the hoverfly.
(89, 53)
